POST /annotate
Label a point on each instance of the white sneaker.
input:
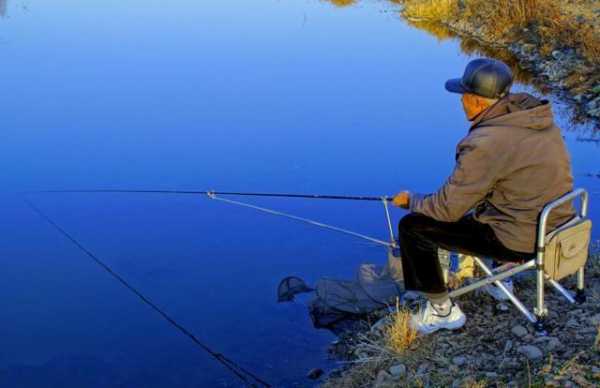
(497, 293)
(430, 319)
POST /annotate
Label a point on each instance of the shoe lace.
(429, 313)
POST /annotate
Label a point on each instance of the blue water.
(262, 95)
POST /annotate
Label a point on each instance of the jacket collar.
(495, 110)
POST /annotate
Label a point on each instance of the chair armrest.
(542, 225)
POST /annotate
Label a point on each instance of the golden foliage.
(400, 334)
(342, 3)
(555, 24)
(434, 10)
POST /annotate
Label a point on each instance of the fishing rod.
(232, 193)
(215, 195)
(248, 378)
(244, 375)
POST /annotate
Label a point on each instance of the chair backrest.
(564, 250)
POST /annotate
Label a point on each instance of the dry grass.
(553, 24)
(399, 335)
(597, 341)
(342, 3)
(435, 10)
(475, 384)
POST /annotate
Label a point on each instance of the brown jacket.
(512, 163)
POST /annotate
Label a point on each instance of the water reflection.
(473, 46)
(3, 8)
(576, 117)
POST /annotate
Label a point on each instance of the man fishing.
(511, 163)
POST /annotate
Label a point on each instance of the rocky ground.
(497, 347)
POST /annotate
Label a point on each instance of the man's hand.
(402, 200)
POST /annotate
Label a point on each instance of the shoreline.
(552, 66)
(497, 347)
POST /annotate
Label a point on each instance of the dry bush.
(550, 23)
(475, 384)
(342, 3)
(506, 17)
(400, 335)
(589, 38)
(434, 10)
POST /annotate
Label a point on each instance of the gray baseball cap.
(485, 77)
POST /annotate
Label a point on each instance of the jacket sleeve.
(476, 171)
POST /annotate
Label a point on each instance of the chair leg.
(558, 287)
(520, 306)
(580, 295)
(540, 309)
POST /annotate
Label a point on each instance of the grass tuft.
(400, 335)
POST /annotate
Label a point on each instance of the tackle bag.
(567, 250)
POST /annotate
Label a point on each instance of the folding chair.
(574, 237)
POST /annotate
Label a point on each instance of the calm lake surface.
(263, 95)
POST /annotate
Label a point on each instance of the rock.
(572, 323)
(315, 373)
(590, 105)
(422, 369)
(556, 54)
(531, 352)
(589, 330)
(595, 319)
(508, 346)
(381, 379)
(595, 112)
(553, 344)
(459, 360)
(519, 331)
(397, 370)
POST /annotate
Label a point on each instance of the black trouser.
(421, 236)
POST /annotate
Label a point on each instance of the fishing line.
(302, 219)
(244, 375)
